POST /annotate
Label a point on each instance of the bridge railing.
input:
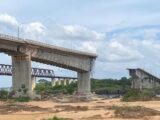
(10, 37)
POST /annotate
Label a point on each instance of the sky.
(123, 33)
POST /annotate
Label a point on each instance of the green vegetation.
(56, 118)
(110, 86)
(45, 87)
(133, 111)
(3, 94)
(99, 86)
(139, 95)
(21, 96)
(22, 99)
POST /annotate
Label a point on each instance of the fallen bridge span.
(23, 51)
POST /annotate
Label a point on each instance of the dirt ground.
(93, 110)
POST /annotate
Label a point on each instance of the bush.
(71, 88)
(137, 95)
(56, 118)
(22, 99)
(46, 88)
(3, 94)
(133, 111)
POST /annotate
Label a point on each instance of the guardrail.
(10, 37)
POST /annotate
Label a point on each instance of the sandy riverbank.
(93, 110)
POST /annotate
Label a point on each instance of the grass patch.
(3, 94)
(72, 108)
(11, 108)
(22, 99)
(81, 108)
(137, 95)
(56, 118)
(133, 111)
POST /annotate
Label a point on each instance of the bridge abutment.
(21, 72)
(84, 87)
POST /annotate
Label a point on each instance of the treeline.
(45, 87)
(111, 86)
(99, 86)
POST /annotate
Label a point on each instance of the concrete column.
(64, 82)
(75, 80)
(84, 85)
(70, 81)
(53, 81)
(67, 81)
(59, 81)
(33, 82)
(21, 72)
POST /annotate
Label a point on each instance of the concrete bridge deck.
(23, 51)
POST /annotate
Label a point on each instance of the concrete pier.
(84, 88)
(59, 82)
(64, 82)
(21, 72)
(24, 50)
(70, 81)
(142, 79)
(53, 81)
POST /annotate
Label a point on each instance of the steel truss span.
(36, 72)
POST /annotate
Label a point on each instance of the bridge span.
(6, 70)
(23, 51)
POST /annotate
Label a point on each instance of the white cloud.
(77, 32)
(7, 19)
(35, 27)
(113, 50)
(88, 46)
(34, 30)
(119, 52)
(133, 47)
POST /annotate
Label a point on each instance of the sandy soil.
(94, 110)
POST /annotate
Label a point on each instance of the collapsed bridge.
(6, 70)
(23, 51)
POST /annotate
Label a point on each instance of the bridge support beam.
(21, 72)
(84, 87)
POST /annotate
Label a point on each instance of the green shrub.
(56, 118)
(157, 90)
(23, 86)
(44, 87)
(25, 90)
(133, 111)
(137, 95)
(3, 94)
(22, 99)
(71, 88)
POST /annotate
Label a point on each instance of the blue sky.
(123, 33)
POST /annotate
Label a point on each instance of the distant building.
(142, 79)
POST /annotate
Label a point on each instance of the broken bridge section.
(23, 51)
